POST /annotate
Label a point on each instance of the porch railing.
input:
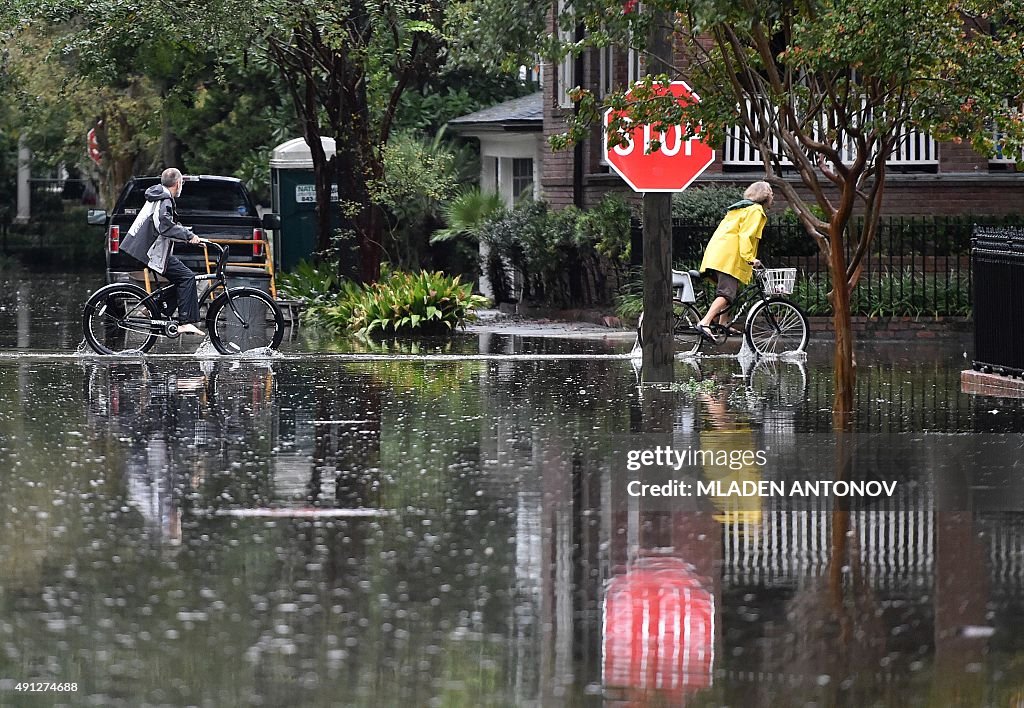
(913, 148)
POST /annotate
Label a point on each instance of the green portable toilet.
(293, 192)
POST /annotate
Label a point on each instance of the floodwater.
(457, 530)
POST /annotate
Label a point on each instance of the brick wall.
(897, 328)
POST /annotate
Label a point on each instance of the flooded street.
(320, 529)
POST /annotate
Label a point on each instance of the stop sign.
(670, 168)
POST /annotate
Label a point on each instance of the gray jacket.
(150, 237)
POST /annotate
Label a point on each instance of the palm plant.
(466, 215)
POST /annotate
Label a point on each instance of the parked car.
(213, 206)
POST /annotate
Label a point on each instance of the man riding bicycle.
(150, 240)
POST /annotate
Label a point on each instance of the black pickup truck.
(213, 206)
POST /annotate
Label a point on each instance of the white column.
(24, 173)
(505, 181)
(488, 185)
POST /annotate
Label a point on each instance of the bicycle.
(774, 324)
(122, 318)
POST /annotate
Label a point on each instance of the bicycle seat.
(695, 275)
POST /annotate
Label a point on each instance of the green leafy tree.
(156, 95)
(827, 87)
(54, 105)
(419, 176)
(346, 67)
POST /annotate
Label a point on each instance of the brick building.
(925, 177)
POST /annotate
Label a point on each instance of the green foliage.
(9, 264)
(607, 226)
(455, 92)
(565, 256)
(497, 34)
(904, 293)
(311, 284)
(698, 387)
(629, 302)
(419, 176)
(230, 125)
(466, 214)
(154, 97)
(400, 303)
(707, 204)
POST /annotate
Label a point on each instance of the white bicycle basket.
(778, 281)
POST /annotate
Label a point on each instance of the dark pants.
(184, 297)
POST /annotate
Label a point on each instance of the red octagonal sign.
(673, 166)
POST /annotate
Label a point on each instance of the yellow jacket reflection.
(723, 432)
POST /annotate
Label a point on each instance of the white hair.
(170, 177)
(760, 192)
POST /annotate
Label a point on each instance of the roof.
(525, 113)
(187, 178)
(295, 154)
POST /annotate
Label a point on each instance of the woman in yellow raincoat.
(731, 254)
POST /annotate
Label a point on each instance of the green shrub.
(419, 176)
(565, 256)
(400, 303)
(606, 226)
(899, 294)
(629, 303)
(310, 284)
(699, 205)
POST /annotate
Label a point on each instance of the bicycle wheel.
(117, 320)
(259, 322)
(778, 384)
(777, 326)
(684, 328)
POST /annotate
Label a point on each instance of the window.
(566, 79)
(522, 177)
(634, 62)
(635, 67)
(606, 57)
(531, 74)
(197, 195)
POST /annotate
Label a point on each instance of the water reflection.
(511, 567)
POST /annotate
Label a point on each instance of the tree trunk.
(358, 167)
(370, 233)
(323, 171)
(844, 367)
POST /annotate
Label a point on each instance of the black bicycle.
(774, 323)
(122, 318)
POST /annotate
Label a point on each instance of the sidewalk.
(494, 321)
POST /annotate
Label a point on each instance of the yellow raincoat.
(735, 241)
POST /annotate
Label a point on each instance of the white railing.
(895, 542)
(1006, 554)
(913, 148)
(1001, 157)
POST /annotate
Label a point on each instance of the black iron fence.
(57, 234)
(914, 267)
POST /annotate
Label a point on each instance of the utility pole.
(656, 329)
